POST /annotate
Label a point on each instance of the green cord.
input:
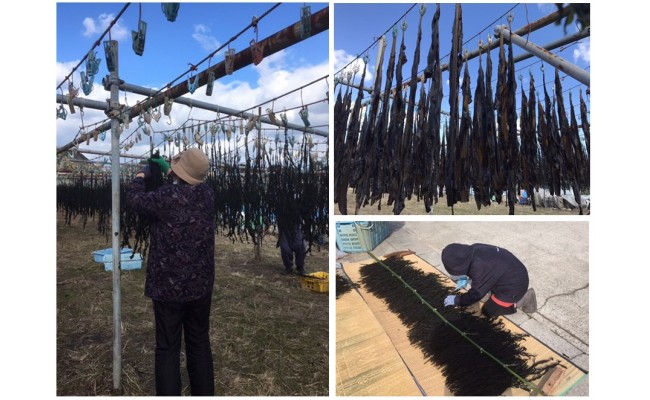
(463, 334)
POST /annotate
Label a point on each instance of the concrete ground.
(556, 255)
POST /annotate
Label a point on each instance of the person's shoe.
(528, 303)
(301, 272)
(287, 271)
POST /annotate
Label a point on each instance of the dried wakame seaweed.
(467, 369)
(343, 285)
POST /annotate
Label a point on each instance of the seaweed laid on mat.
(467, 370)
(343, 285)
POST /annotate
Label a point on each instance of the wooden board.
(428, 376)
(367, 363)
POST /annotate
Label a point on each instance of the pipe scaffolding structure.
(533, 26)
(558, 62)
(271, 45)
(112, 107)
(104, 106)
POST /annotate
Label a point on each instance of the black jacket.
(491, 268)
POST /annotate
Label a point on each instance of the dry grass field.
(269, 335)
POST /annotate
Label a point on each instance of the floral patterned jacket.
(180, 263)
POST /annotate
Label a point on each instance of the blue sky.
(352, 38)
(199, 30)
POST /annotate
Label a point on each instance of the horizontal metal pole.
(271, 45)
(108, 153)
(558, 43)
(558, 62)
(223, 110)
(83, 102)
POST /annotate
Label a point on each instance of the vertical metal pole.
(258, 224)
(113, 80)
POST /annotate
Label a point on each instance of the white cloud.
(547, 7)
(91, 27)
(202, 36)
(583, 52)
(94, 27)
(276, 77)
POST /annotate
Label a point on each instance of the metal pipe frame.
(271, 45)
(533, 26)
(558, 62)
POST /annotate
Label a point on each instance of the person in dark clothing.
(180, 269)
(291, 243)
(490, 269)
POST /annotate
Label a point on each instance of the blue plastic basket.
(360, 236)
(126, 262)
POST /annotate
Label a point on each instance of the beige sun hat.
(192, 166)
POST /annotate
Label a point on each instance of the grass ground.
(415, 207)
(269, 335)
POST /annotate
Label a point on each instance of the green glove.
(164, 165)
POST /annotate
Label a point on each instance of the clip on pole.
(257, 51)
(210, 84)
(191, 86)
(139, 38)
(61, 112)
(304, 114)
(86, 82)
(110, 51)
(305, 22)
(170, 10)
(230, 58)
(92, 63)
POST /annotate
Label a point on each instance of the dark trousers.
(172, 319)
(492, 309)
(290, 246)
